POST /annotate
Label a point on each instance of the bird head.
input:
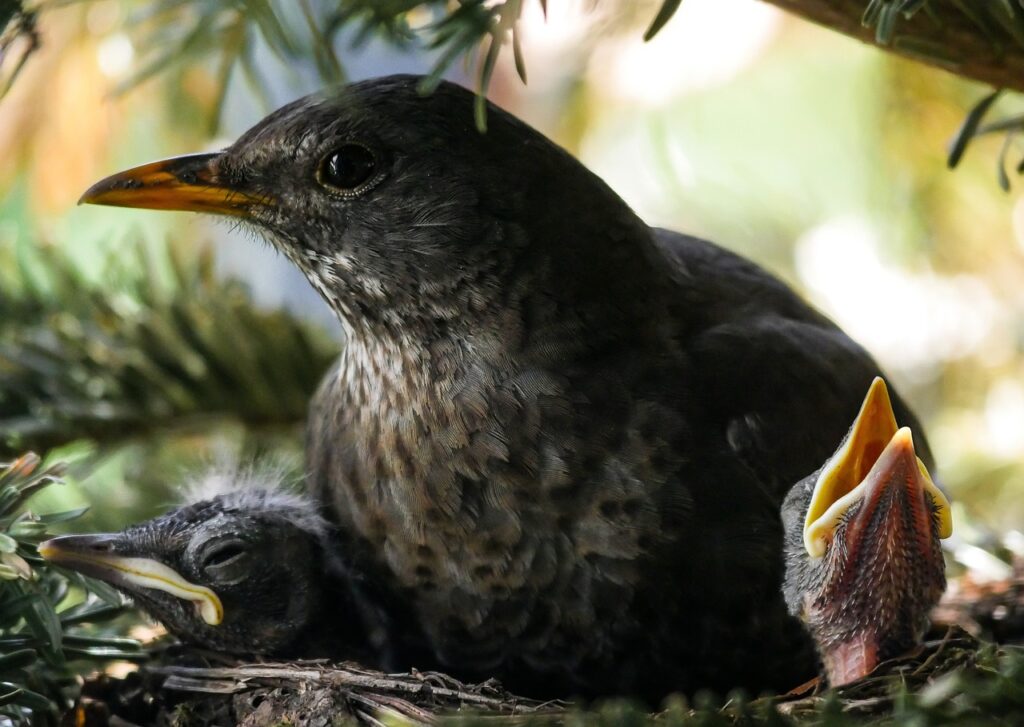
(863, 561)
(395, 206)
(240, 572)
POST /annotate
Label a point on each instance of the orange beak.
(188, 183)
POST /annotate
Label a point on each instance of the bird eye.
(349, 169)
(227, 562)
(224, 554)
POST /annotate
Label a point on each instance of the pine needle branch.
(39, 635)
(980, 40)
(19, 39)
(1000, 23)
(84, 361)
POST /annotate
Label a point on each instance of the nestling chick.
(863, 562)
(246, 568)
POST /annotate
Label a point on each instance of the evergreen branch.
(665, 13)
(979, 40)
(86, 362)
(19, 39)
(973, 127)
(1000, 23)
(969, 129)
(37, 637)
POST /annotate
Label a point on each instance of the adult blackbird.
(863, 563)
(247, 568)
(558, 437)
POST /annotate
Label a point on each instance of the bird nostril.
(102, 547)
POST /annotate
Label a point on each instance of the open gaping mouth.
(875, 456)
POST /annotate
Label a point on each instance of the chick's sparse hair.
(256, 488)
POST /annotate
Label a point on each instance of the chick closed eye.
(227, 562)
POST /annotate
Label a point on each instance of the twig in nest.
(416, 697)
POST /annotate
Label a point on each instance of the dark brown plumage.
(557, 439)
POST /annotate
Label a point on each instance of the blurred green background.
(820, 158)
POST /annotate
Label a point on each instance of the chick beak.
(873, 457)
(900, 502)
(190, 183)
(872, 430)
(108, 558)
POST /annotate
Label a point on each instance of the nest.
(184, 687)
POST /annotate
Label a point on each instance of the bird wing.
(776, 380)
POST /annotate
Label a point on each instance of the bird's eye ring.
(349, 170)
(225, 555)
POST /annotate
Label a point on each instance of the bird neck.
(401, 374)
(414, 367)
